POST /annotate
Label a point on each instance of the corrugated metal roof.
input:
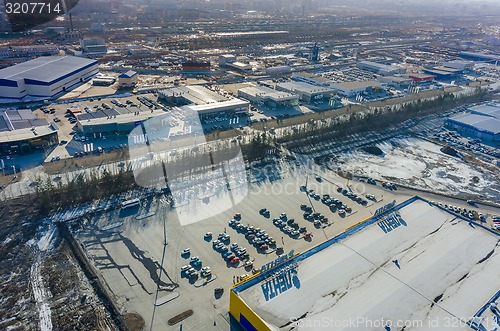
(45, 68)
(304, 87)
(487, 109)
(128, 74)
(480, 122)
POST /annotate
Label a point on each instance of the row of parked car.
(148, 102)
(288, 225)
(190, 270)
(474, 145)
(257, 237)
(315, 217)
(469, 213)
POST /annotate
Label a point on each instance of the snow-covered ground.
(41, 296)
(420, 267)
(421, 164)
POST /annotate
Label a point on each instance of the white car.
(185, 251)
(185, 268)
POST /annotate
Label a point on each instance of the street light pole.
(15, 175)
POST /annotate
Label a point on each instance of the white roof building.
(45, 76)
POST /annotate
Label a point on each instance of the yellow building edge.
(246, 279)
(244, 314)
(355, 225)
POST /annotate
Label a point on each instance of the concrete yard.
(126, 246)
(422, 268)
(128, 251)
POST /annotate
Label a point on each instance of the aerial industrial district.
(236, 167)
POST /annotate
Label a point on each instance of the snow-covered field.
(422, 268)
(421, 164)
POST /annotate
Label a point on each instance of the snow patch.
(41, 296)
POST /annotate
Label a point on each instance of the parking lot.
(127, 245)
(294, 213)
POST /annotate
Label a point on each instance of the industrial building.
(442, 72)
(114, 121)
(93, 46)
(191, 67)
(414, 263)
(128, 79)
(381, 69)
(45, 76)
(226, 59)
(306, 92)
(21, 132)
(459, 65)
(311, 78)
(421, 78)
(479, 56)
(278, 71)
(268, 97)
(28, 51)
(395, 81)
(482, 122)
(350, 89)
(206, 102)
(240, 66)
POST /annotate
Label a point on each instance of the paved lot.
(128, 250)
(127, 246)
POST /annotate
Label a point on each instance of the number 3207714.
(32, 8)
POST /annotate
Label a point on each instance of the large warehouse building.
(269, 97)
(482, 122)
(414, 266)
(45, 76)
(311, 78)
(350, 89)
(206, 102)
(306, 92)
(380, 68)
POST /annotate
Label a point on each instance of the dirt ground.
(69, 294)
(9, 179)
